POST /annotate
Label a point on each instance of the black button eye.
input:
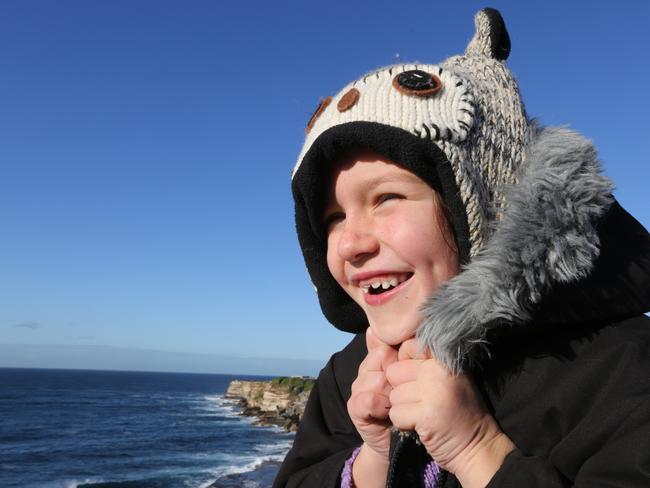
(417, 82)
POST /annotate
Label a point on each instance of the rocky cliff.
(280, 401)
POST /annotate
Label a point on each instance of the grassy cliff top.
(294, 384)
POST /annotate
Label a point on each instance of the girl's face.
(389, 245)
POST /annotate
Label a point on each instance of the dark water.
(107, 429)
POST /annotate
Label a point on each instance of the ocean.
(114, 429)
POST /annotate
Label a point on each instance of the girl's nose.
(357, 240)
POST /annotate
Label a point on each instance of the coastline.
(260, 477)
(279, 402)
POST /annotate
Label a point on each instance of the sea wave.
(253, 464)
(146, 483)
(218, 404)
(275, 449)
(71, 483)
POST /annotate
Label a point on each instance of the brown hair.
(447, 230)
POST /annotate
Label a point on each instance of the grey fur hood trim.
(545, 235)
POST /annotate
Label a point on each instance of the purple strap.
(429, 474)
(346, 474)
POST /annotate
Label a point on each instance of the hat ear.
(491, 38)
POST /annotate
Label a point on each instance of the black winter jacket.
(571, 388)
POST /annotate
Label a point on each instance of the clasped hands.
(408, 389)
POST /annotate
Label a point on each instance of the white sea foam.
(213, 398)
(250, 463)
(237, 464)
(277, 428)
(274, 449)
(217, 404)
(65, 483)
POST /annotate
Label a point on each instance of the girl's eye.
(388, 196)
(332, 219)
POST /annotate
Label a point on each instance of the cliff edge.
(280, 401)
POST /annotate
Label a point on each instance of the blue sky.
(146, 150)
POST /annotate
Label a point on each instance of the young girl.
(496, 287)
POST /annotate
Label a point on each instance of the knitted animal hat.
(460, 126)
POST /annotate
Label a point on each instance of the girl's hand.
(448, 414)
(369, 403)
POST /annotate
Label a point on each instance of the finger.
(378, 359)
(413, 349)
(368, 406)
(389, 356)
(374, 381)
(405, 393)
(404, 416)
(403, 371)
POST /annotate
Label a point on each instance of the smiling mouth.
(380, 285)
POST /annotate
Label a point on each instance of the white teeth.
(385, 285)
